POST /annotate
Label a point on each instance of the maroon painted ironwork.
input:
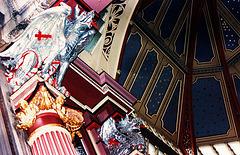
(187, 140)
(232, 95)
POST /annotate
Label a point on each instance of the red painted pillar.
(49, 136)
(50, 127)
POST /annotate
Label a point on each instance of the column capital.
(44, 109)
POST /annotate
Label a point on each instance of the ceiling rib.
(160, 43)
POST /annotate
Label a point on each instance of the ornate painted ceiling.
(182, 55)
(181, 61)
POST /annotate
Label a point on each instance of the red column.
(48, 124)
(49, 136)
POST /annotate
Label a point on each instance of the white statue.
(47, 46)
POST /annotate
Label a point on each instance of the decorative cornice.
(104, 78)
(28, 88)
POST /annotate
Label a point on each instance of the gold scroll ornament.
(44, 101)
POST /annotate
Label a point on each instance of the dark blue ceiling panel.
(229, 35)
(210, 117)
(130, 53)
(173, 13)
(204, 51)
(170, 117)
(159, 91)
(151, 11)
(179, 44)
(233, 6)
(144, 74)
(237, 85)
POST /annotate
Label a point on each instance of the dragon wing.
(50, 22)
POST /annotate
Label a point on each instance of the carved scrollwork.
(114, 19)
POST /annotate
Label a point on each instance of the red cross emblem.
(112, 141)
(40, 35)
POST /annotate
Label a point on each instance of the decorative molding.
(8, 122)
(207, 70)
(234, 60)
(5, 140)
(90, 75)
(98, 105)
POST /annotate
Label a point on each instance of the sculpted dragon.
(49, 57)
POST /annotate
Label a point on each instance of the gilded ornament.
(60, 110)
(28, 114)
(75, 122)
(44, 101)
